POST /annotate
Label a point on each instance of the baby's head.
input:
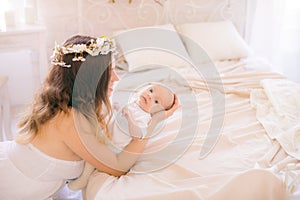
(155, 98)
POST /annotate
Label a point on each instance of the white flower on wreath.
(78, 48)
(102, 46)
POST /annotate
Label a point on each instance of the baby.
(154, 98)
(151, 99)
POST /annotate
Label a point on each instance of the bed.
(236, 135)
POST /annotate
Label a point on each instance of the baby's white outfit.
(139, 115)
(120, 123)
(28, 173)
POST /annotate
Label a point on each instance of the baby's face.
(155, 98)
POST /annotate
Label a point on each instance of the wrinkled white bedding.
(193, 162)
(278, 109)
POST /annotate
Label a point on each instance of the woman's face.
(113, 78)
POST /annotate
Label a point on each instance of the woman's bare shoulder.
(64, 118)
(56, 136)
(72, 122)
(64, 122)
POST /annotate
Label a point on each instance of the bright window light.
(4, 7)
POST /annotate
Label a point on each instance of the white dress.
(26, 173)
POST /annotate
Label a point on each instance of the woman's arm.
(86, 146)
(162, 115)
(83, 143)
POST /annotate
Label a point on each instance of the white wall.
(64, 18)
(18, 67)
(99, 17)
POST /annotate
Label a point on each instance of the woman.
(69, 116)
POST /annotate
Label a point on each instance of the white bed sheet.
(237, 157)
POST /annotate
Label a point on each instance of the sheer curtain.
(275, 35)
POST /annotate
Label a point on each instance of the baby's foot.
(77, 184)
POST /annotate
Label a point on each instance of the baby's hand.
(126, 113)
(133, 128)
(116, 106)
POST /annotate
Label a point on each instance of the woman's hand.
(174, 107)
(164, 114)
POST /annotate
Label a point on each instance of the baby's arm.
(82, 180)
(133, 128)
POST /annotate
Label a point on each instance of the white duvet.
(277, 106)
(173, 161)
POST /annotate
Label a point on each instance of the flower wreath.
(101, 45)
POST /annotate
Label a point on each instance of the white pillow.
(220, 40)
(148, 47)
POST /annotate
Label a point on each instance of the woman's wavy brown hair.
(83, 87)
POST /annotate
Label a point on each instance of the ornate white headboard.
(100, 17)
(208, 10)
